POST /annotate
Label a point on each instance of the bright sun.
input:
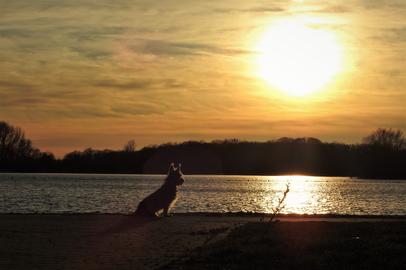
(297, 59)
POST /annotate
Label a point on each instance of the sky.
(78, 74)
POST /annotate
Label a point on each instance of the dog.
(164, 198)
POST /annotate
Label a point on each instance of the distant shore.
(115, 241)
(373, 159)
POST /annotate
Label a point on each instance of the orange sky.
(77, 74)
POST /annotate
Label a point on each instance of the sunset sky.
(82, 73)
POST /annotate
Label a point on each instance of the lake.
(88, 193)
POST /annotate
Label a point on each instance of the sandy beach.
(98, 241)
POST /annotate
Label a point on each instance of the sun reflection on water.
(304, 193)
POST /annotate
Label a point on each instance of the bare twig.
(280, 206)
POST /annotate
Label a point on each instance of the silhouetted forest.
(381, 155)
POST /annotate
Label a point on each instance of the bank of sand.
(99, 241)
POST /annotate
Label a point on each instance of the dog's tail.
(140, 210)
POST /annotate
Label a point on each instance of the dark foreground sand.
(96, 241)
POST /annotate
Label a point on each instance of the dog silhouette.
(165, 197)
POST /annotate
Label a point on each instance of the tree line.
(382, 155)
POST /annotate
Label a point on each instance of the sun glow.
(296, 58)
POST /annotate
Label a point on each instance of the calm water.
(80, 193)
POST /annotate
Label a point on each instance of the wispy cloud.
(14, 85)
(141, 84)
(254, 9)
(163, 47)
(334, 9)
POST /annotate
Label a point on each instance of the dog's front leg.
(166, 212)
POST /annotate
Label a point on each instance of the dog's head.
(175, 175)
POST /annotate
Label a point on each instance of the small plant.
(279, 207)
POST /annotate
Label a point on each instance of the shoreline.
(221, 214)
(351, 177)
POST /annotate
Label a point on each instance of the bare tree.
(13, 144)
(130, 146)
(387, 137)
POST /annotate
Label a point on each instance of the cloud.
(15, 85)
(335, 9)
(138, 109)
(257, 9)
(390, 35)
(397, 34)
(92, 53)
(15, 32)
(380, 4)
(141, 84)
(95, 33)
(173, 48)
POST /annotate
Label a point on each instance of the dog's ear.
(179, 167)
(171, 168)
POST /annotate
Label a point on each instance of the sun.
(296, 58)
